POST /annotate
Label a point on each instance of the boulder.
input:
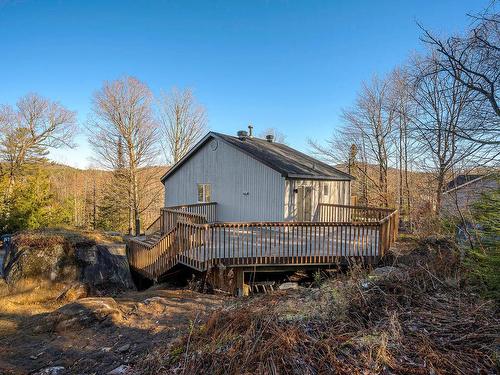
(104, 267)
(87, 267)
(50, 262)
(83, 313)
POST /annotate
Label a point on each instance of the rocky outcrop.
(45, 260)
(81, 314)
(87, 267)
(104, 267)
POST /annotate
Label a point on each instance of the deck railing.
(154, 227)
(290, 243)
(344, 213)
(196, 213)
(191, 238)
(388, 231)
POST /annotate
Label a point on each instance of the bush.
(483, 260)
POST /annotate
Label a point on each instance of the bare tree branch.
(182, 123)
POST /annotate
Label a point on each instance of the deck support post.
(242, 289)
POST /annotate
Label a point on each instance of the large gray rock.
(101, 268)
(104, 266)
(50, 262)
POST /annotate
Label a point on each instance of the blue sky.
(291, 65)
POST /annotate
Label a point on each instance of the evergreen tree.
(113, 211)
(484, 259)
(32, 205)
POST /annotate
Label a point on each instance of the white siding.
(232, 175)
(339, 192)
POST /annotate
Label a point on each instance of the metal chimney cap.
(250, 130)
(270, 138)
(242, 134)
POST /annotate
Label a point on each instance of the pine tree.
(32, 205)
(113, 210)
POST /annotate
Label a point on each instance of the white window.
(204, 193)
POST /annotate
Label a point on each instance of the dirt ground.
(92, 335)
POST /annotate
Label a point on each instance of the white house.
(248, 203)
(254, 179)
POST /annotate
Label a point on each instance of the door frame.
(304, 202)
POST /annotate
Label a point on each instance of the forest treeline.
(51, 194)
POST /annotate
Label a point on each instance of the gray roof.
(462, 179)
(282, 158)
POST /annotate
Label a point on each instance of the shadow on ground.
(96, 335)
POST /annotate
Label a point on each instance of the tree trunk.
(439, 190)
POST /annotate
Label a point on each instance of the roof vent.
(242, 134)
(270, 138)
(250, 130)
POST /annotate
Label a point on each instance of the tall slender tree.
(182, 123)
(373, 120)
(122, 110)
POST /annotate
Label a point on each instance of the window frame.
(326, 190)
(206, 192)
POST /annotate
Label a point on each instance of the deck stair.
(153, 239)
(191, 236)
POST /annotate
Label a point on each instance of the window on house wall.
(204, 193)
(325, 190)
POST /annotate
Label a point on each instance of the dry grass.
(415, 321)
(27, 298)
(54, 236)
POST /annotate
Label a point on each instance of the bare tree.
(473, 60)
(369, 126)
(29, 131)
(373, 120)
(182, 122)
(124, 136)
(441, 109)
(400, 99)
(346, 148)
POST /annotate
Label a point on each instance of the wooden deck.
(338, 232)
